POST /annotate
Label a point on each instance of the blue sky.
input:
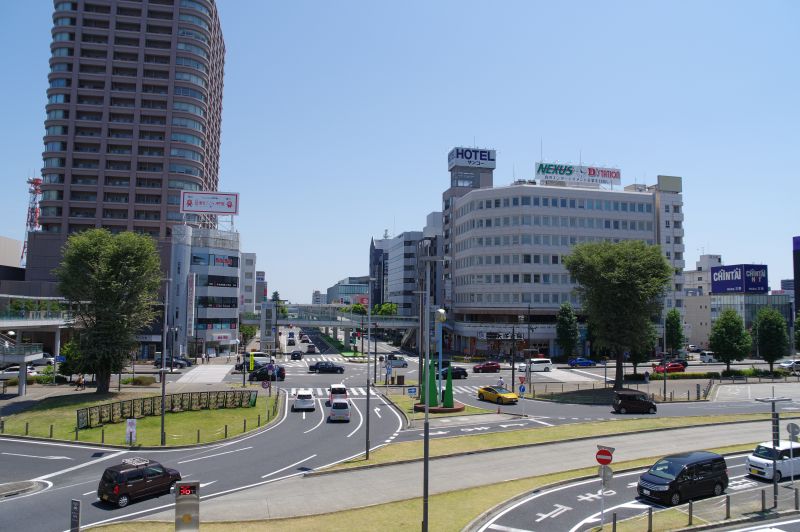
(338, 116)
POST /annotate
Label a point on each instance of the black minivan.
(681, 477)
(626, 401)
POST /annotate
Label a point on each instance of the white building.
(317, 298)
(204, 290)
(401, 270)
(247, 284)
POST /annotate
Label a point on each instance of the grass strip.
(406, 404)
(450, 511)
(181, 427)
(446, 446)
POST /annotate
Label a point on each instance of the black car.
(170, 362)
(626, 401)
(135, 478)
(297, 355)
(325, 367)
(261, 373)
(458, 372)
(685, 476)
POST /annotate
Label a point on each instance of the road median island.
(451, 446)
(54, 418)
(405, 403)
(451, 511)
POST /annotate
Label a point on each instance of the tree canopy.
(729, 340)
(385, 309)
(566, 329)
(621, 286)
(674, 330)
(111, 283)
(771, 336)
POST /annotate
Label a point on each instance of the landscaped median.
(55, 417)
(449, 512)
(405, 403)
(450, 446)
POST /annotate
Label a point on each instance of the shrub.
(682, 376)
(144, 380)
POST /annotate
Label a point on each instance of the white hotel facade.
(505, 246)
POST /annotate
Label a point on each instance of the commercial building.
(379, 270)
(787, 284)
(317, 298)
(401, 271)
(134, 107)
(348, 290)
(697, 300)
(506, 247)
(262, 290)
(203, 306)
(247, 284)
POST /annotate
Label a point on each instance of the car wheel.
(778, 477)
(652, 410)
(718, 489)
(340, 371)
(123, 501)
(480, 397)
(675, 499)
(623, 410)
(293, 409)
(546, 370)
(499, 401)
(171, 487)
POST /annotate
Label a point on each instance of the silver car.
(340, 411)
(304, 400)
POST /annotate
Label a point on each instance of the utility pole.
(369, 334)
(513, 355)
(164, 363)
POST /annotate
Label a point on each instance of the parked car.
(671, 367)
(135, 478)
(46, 360)
(311, 348)
(490, 366)
(787, 460)
(396, 361)
(681, 477)
(633, 401)
(169, 362)
(304, 400)
(497, 394)
(458, 372)
(789, 365)
(297, 355)
(537, 364)
(261, 373)
(707, 357)
(290, 342)
(325, 367)
(340, 410)
(581, 362)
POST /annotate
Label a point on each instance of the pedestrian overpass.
(332, 316)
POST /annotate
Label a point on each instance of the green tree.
(674, 330)
(771, 336)
(641, 353)
(112, 283)
(729, 340)
(248, 332)
(275, 296)
(621, 286)
(358, 308)
(73, 363)
(566, 329)
(385, 309)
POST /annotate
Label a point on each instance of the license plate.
(646, 492)
(754, 471)
(104, 497)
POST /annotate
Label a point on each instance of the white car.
(789, 365)
(707, 357)
(537, 364)
(13, 371)
(337, 391)
(397, 362)
(340, 411)
(304, 400)
(787, 458)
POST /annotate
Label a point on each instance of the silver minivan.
(537, 364)
(340, 410)
(304, 400)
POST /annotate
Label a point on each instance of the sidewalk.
(334, 492)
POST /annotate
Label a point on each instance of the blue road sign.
(61, 358)
(412, 390)
(521, 388)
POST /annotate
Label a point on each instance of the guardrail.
(21, 349)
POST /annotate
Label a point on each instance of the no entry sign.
(604, 457)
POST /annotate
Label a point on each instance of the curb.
(79, 443)
(528, 445)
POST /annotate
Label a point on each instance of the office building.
(247, 284)
(697, 282)
(318, 299)
(787, 284)
(133, 117)
(348, 291)
(401, 271)
(697, 300)
(506, 247)
(262, 290)
(378, 271)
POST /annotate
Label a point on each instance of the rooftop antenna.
(541, 149)
(514, 172)
(474, 142)
(385, 233)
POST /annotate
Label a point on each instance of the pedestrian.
(79, 384)
(646, 376)
(501, 382)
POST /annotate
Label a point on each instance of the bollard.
(796, 499)
(614, 522)
(727, 506)
(687, 395)
(244, 425)
(763, 501)
(649, 519)
(226, 432)
(259, 420)
(102, 435)
(672, 395)
(26, 428)
(2, 426)
(691, 510)
(51, 432)
(198, 435)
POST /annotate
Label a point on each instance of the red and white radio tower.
(32, 222)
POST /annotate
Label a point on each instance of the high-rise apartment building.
(134, 108)
(247, 283)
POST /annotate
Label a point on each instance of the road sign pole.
(794, 430)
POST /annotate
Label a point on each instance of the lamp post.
(369, 336)
(776, 436)
(426, 425)
(164, 363)
(441, 317)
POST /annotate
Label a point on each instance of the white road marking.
(213, 455)
(377, 411)
(360, 419)
(321, 419)
(89, 493)
(73, 468)
(289, 466)
(502, 528)
(204, 484)
(41, 457)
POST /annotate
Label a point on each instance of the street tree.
(770, 334)
(674, 330)
(641, 353)
(385, 309)
(566, 329)
(621, 286)
(248, 333)
(275, 296)
(111, 283)
(729, 339)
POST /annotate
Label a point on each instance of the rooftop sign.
(473, 157)
(579, 174)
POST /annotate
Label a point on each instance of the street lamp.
(369, 336)
(441, 317)
(776, 436)
(164, 363)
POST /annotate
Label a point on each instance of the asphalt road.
(576, 506)
(297, 443)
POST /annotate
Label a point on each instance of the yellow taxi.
(497, 394)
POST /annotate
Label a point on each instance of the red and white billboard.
(193, 202)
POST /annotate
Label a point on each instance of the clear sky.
(338, 116)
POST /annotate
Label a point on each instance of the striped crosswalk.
(323, 392)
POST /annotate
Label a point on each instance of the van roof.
(338, 386)
(783, 445)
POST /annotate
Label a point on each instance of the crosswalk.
(323, 392)
(318, 358)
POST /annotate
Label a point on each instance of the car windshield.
(764, 452)
(110, 476)
(500, 389)
(340, 406)
(666, 469)
(305, 396)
